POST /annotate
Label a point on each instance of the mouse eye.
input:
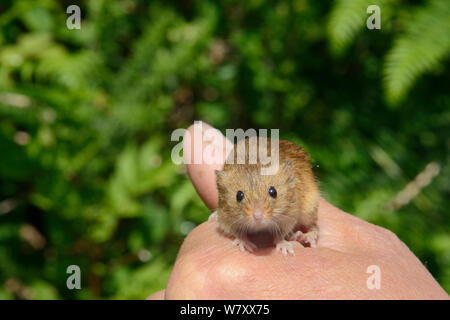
(239, 196)
(272, 192)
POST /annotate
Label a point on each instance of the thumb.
(205, 150)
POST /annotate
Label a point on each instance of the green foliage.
(420, 49)
(86, 115)
(420, 46)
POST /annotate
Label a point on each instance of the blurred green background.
(86, 117)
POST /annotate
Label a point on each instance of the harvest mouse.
(284, 203)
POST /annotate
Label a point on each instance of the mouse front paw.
(306, 238)
(285, 247)
(244, 245)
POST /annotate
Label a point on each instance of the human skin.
(209, 267)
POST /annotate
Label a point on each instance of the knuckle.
(387, 240)
(385, 234)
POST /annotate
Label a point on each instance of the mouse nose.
(258, 214)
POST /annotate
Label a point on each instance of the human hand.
(209, 267)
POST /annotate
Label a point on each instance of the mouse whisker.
(284, 215)
(239, 224)
(276, 230)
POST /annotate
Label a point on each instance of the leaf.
(420, 49)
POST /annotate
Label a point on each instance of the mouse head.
(249, 201)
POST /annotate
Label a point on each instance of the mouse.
(283, 203)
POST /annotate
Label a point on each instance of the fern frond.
(69, 70)
(425, 43)
(348, 17)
